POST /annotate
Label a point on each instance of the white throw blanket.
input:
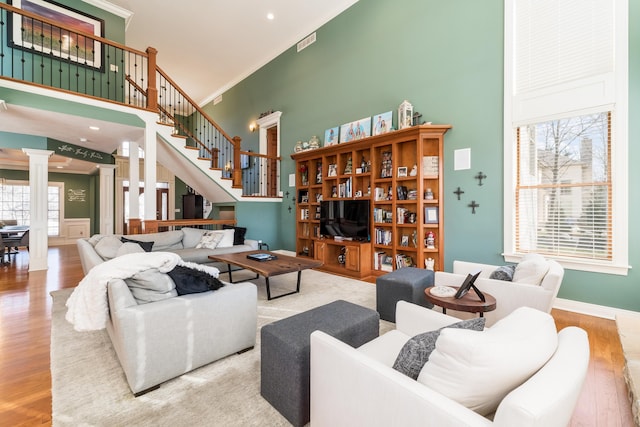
(88, 308)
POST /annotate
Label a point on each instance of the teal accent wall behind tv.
(446, 58)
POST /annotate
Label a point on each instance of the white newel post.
(149, 172)
(106, 198)
(38, 209)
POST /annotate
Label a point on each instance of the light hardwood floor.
(25, 379)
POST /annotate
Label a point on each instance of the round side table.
(469, 303)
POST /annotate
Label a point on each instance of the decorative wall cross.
(473, 205)
(480, 177)
(458, 192)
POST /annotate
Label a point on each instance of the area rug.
(89, 387)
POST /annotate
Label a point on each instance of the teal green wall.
(72, 209)
(446, 58)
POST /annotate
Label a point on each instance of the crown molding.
(114, 9)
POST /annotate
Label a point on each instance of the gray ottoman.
(404, 284)
(284, 350)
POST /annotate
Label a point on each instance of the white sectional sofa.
(182, 242)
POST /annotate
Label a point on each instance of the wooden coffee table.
(469, 303)
(283, 264)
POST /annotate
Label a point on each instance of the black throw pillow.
(144, 245)
(238, 236)
(192, 281)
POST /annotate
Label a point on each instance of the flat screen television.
(345, 218)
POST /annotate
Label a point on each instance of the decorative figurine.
(414, 239)
(298, 147)
(363, 165)
(334, 191)
(314, 142)
(390, 194)
(347, 169)
(429, 264)
(414, 170)
(430, 241)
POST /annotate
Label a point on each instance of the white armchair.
(359, 387)
(509, 295)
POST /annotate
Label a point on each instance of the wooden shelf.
(378, 159)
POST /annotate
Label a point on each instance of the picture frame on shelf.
(32, 35)
(355, 130)
(333, 170)
(382, 123)
(402, 171)
(430, 215)
(405, 240)
(331, 136)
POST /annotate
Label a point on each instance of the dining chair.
(15, 242)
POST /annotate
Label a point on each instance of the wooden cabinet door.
(318, 252)
(352, 261)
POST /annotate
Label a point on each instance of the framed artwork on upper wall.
(331, 136)
(69, 45)
(382, 123)
(355, 130)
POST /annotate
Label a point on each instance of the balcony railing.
(42, 52)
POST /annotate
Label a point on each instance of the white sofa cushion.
(108, 246)
(477, 369)
(129, 248)
(191, 237)
(531, 269)
(227, 238)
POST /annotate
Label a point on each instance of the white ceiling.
(205, 46)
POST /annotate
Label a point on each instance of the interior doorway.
(162, 201)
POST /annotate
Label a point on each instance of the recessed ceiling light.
(94, 128)
(83, 139)
(270, 16)
(59, 167)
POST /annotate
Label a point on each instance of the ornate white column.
(134, 180)
(106, 198)
(38, 227)
(150, 171)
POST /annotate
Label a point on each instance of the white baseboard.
(592, 309)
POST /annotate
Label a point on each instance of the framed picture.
(405, 240)
(430, 215)
(331, 136)
(38, 36)
(356, 130)
(382, 123)
(333, 170)
(402, 171)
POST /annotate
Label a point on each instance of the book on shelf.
(304, 214)
(382, 236)
(382, 261)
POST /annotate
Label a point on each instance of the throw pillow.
(238, 237)
(129, 248)
(210, 240)
(192, 236)
(150, 285)
(478, 369)
(503, 273)
(415, 353)
(227, 238)
(144, 245)
(107, 247)
(531, 269)
(190, 281)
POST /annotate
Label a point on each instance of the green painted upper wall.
(446, 58)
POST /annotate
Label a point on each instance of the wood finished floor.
(25, 320)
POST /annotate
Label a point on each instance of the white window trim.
(619, 264)
(60, 185)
